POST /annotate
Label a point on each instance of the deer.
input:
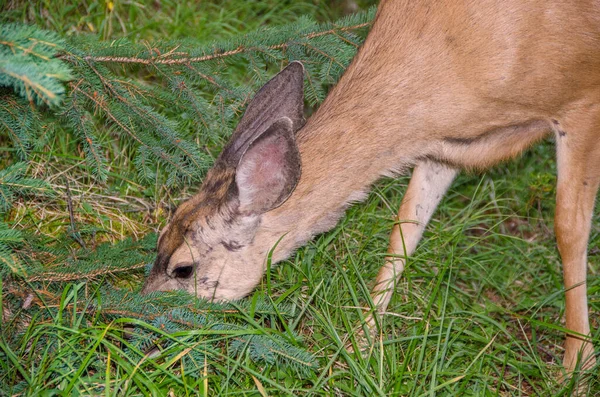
(437, 86)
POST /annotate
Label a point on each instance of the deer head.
(209, 247)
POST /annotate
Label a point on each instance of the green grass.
(160, 20)
(479, 310)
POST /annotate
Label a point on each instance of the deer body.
(437, 85)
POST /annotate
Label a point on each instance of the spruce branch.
(80, 120)
(185, 98)
(9, 239)
(63, 277)
(172, 57)
(107, 260)
(101, 103)
(13, 184)
(20, 123)
(29, 65)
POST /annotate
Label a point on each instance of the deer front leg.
(428, 184)
(578, 158)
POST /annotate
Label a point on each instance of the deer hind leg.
(578, 159)
(428, 184)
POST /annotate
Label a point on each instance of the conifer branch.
(28, 63)
(14, 183)
(199, 88)
(170, 57)
(101, 103)
(88, 275)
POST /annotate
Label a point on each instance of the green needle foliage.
(14, 183)
(28, 63)
(20, 123)
(9, 239)
(166, 98)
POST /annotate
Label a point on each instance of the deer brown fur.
(438, 86)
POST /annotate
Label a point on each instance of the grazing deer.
(438, 86)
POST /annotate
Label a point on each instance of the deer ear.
(282, 96)
(269, 169)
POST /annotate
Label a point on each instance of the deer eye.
(183, 271)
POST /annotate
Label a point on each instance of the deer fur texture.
(439, 86)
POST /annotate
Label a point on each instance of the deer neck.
(352, 140)
(345, 147)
